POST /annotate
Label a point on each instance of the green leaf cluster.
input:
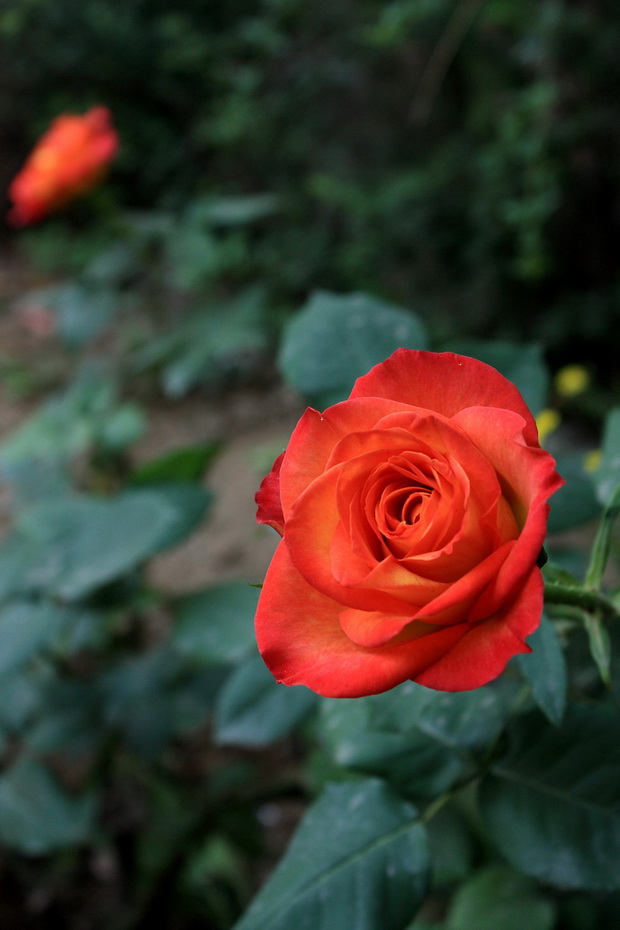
(105, 682)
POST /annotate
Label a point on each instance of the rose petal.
(445, 383)
(373, 628)
(483, 652)
(315, 436)
(328, 534)
(302, 642)
(457, 601)
(529, 479)
(268, 498)
(322, 552)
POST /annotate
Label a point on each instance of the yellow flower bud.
(571, 380)
(592, 460)
(547, 421)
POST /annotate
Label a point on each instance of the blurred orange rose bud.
(70, 159)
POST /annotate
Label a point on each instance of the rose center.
(410, 506)
(403, 506)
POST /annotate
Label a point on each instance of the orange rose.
(69, 160)
(412, 515)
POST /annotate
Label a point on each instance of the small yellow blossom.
(592, 460)
(571, 380)
(547, 421)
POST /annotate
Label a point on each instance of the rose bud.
(69, 160)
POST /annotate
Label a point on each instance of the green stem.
(571, 596)
(602, 543)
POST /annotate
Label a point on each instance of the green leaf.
(192, 699)
(20, 698)
(358, 860)
(522, 364)
(216, 625)
(415, 737)
(121, 428)
(37, 816)
(600, 646)
(466, 719)
(552, 802)
(213, 866)
(558, 574)
(575, 503)
(194, 256)
(601, 547)
(336, 338)
(84, 628)
(210, 345)
(237, 211)
(25, 628)
(413, 762)
(72, 423)
(136, 700)
(166, 829)
(451, 845)
(186, 464)
(154, 696)
(187, 504)
(68, 720)
(497, 897)
(83, 311)
(607, 475)
(71, 547)
(581, 912)
(545, 669)
(422, 924)
(253, 710)
(113, 266)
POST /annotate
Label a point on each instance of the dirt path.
(254, 427)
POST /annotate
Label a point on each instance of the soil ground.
(253, 426)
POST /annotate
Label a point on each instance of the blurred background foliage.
(301, 188)
(459, 157)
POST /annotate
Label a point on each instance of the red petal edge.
(302, 643)
(268, 498)
(445, 383)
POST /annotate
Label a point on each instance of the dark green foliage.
(422, 741)
(358, 860)
(495, 897)
(253, 710)
(90, 702)
(336, 338)
(545, 669)
(469, 161)
(552, 801)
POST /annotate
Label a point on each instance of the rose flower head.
(412, 517)
(69, 159)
